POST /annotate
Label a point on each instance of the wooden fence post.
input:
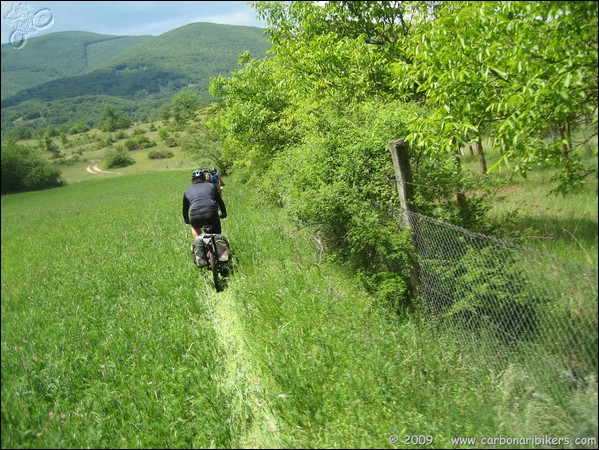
(405, 189)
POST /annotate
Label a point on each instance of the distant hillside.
(43, 81)
(195, 49)
(58, 56)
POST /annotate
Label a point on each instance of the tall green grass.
(112, 338)
(346, 372)
(527, 212)
(105, 337)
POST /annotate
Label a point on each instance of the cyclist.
(216, 180)
(201, 204)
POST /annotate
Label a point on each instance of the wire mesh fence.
(510, 305)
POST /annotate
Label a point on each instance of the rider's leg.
(195, 233)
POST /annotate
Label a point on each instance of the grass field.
(527, 212)
(111, 338)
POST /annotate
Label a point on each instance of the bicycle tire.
(214, 268)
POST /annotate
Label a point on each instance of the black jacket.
(201, 198)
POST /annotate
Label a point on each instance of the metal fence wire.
(509, 304)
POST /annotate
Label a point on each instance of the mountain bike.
(210, 253)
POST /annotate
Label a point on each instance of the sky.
(25, 19)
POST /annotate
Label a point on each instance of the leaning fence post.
(403, 176)
(405, 189)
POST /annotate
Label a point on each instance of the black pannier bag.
(223, 248)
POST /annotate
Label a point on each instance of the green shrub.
(160, 154)
(104, 141)
(132, 144)
(72, 160)
(485, 287)
(80, 127)
(117, 157)
(169, 140)
(340, 181)
(139, 141)
(25, 170)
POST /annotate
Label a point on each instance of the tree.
(205, 147)
(113, 120)
(341, 45)
(510, 71)
(184, 106)
(19, 132)
(251, 114)
(51, 147)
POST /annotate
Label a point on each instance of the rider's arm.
(221, 204)
(185, 209)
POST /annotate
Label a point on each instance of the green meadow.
(111, 338)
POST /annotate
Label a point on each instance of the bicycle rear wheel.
(214, 268)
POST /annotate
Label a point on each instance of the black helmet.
(199, 174)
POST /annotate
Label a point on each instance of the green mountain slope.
(196, 50)
(142, 73)
(59, 55)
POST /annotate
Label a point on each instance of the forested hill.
(58, 56)
(60, 77)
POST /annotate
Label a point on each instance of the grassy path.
(242, 378)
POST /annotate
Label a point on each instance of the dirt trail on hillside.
(93, 168)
